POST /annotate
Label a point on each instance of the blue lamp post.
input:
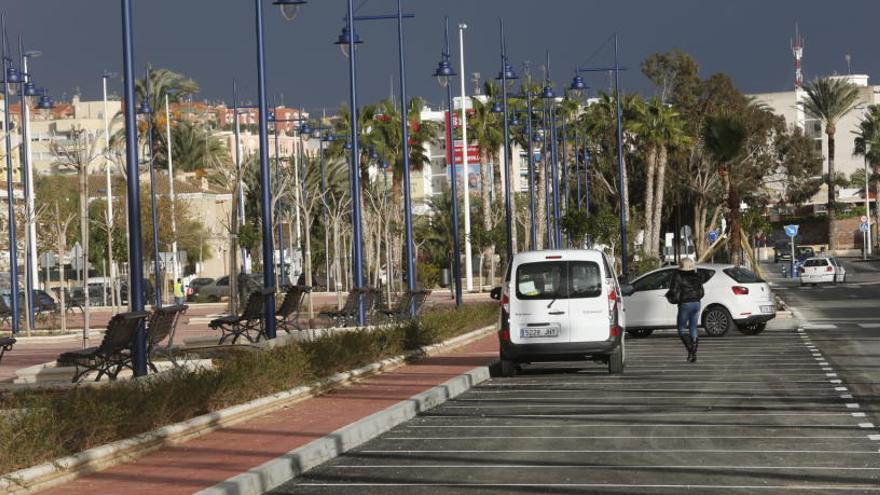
(443, 73)
(11, 76)
(506, 76)
(549, 97)
(289, 9)
(530, 138)
(147, 111)
(577, 88)
(328, 138)
(620, 164)
(347, 41)
(135, 246)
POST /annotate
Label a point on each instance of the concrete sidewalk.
(212, 458)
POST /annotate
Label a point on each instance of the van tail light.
(504, 331)
(740, 291)
(829, 269)
(615, 331)
(612, 301)
(803, 270)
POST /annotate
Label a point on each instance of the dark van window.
(558, 280)
(742, 275)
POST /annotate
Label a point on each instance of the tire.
(640, 333)
(616, 360)
(753, 329)
(717, 321)
(508, 368)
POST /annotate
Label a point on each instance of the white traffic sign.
(863, 226)
(864, 219)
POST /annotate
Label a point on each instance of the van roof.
(558, 254)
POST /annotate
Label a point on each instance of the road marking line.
(852, 405)
(619, 451)
(846, 396)
(636, 437)
(836, 381)
(627, 397)
(799, 487)
(858, 415)
(821, 326)
(874, 437)
(597, 466)
(823, 363)
(840, 389)
(710, 413)
(869, 325)
(827, 368)
(866, 425)
(655, 425)
(829, 375)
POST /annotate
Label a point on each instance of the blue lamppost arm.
(133, 192)
(443, 73)
(265, 180)
(10, 75)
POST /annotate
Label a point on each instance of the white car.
(822, 270)
(734, 297)
(563, 305)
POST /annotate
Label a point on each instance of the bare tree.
(78, 153)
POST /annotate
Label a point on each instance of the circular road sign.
(864, 219)
(863, 226)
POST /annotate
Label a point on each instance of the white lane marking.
(799, 487)
(830, 375)
(689, 427)
(576, 406)
(635, 437)
(840, 389)
(866, 425)
(618, 382)
(649, 397)
(598, 466)
(852, 405)
(858, 415)
(836, 381)
(710, 413)
(820, 326)
(869, 325)
(823, 363)
(827, 368)
(846, 396)
(619, 451)
(876, 438)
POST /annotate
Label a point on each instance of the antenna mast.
(797, 49)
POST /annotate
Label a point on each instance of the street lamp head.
(347, 146)
(548, 93)
(45, 103)
(444, 72)
(305, 129)
(577, 86)
(13, 76)
(289, 8)
(32, 53)
(328, 138)
(145, 108)
(30, 89)
(497, 107)
(514, 120)
(507, 73)
(345, 39)
(374, 155)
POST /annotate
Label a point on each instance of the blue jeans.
(688, 316)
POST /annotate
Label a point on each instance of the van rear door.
(539, 303)
(588, 310)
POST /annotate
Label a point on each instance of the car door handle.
(556, 313)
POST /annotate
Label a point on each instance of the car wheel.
(616, 360)
(753, 329)
(508, 368)
(640, 333)
(717, 321)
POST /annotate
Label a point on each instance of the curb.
(64, 469)
(272, 474)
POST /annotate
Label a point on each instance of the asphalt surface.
(764, 414)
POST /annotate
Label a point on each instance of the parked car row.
(568, 305)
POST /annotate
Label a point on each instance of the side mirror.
(495, 293)
(627, 290)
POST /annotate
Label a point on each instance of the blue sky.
(212, 41)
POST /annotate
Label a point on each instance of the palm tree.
(660, 128)
(483, 128)
(867, 144)
(724, 136)
(193, 147)
(829, 99)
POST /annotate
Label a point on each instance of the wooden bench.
(6, 344)
(113, 354)
(288, 313)
(250, 321)
(161, 325)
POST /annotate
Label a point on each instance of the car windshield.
(742, 275)
(805, 252)
(816, 262)
(558, 280)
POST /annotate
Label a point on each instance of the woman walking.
(686, 290)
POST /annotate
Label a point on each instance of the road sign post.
(865, 227)
(791, 231)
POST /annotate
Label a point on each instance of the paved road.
(762, 414)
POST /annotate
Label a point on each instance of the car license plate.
(766, 309)
(537, 333)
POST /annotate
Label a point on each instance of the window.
(558, 280)
(742, 276)
(654, 281)
(706, 274)
(543, 280)
(223, 281)
(586, 280)
(816, 262)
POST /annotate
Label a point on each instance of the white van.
(560, 306)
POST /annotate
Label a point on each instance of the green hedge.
(41, 426)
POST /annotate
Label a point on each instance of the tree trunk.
(307, 259)
(735, 243)
(84, 234)
(832, 220)
(661, 160)
(497, 183)
(485, 195)
(876, 206)
(650, 247)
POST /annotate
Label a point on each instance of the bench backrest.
(351, 303)
(163, 322)
(293, 298)
(121, 331)
(254, 308)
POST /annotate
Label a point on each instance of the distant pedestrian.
(686, 290)
(178, 292)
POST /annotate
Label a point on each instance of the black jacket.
(688, 286)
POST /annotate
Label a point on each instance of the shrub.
(428, 275)
(38, 426)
